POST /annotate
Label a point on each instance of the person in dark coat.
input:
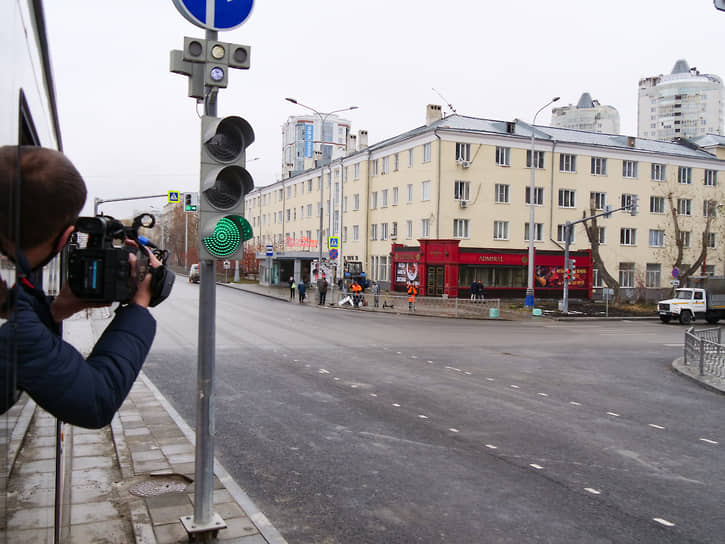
(322, 289)
(301, 290)
(85, 392)
(474, 289)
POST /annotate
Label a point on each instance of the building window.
(394, 230)
(596, 278)
(355, 233)
(654, 275)
(356, 202)
(425, 190)
(629, 169)
(503, 156)
(626, 275)
(395, 196)
(598, 200)
(462, 190)
(711, 178)
(684, 175)
(658, 172)
(426, 152)
(373, 200)
(463, 152)
(374, 167)
(502, 193)
(709, 208)
(685, 238)
(711, 240)
(425, 228)
(460, 228)
(599, 166)
(538, 159)
(561, 234)
(602, 235)
(383, 231)
(627, 200)
(410, 192)
(567, 198)
(538, 196)
(386, 165)
(656, 204)
(538, 232)
(344, 204)
(684, 206)
(408, 230)
(628, 236)
(567, 162)
(656, 238)
(384, 198)
(344, 234)
(396, 162)
(410, 158)
(356, 171)
(373, 232)
(500, 230)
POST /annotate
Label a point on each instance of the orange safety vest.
(356, 288)
(412, 291)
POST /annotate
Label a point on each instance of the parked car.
(194, 276)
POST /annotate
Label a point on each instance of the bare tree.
(709, 207)
(592, 229)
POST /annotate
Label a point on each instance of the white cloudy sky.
(130, 128)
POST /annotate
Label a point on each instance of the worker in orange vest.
(412, 292)
(356, 290)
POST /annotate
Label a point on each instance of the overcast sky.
(131, 130)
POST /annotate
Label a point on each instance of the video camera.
(100, 271)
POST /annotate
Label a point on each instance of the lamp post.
(529, 301)
(323, 117)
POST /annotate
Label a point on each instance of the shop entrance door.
(436, 277)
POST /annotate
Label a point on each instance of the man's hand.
(143, 293)
(66, 304)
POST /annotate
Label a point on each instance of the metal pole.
(702, 356)
(204, 469)
(529, 300)
(186, 243)
(567, 235)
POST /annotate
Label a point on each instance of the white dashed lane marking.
(613, 414)
(537, 467)
(454, 430)
(543, 394)
(574, 403)
(396, 405)
(664, 522)
(491, 447)
(592, 491)
(708, 441)
(515, 387)
(421, 416)
(453, 368)
(656, 426)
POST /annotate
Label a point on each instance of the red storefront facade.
(442, 267)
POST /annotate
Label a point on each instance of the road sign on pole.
(215, 14)
(675, 272)
(174, 197)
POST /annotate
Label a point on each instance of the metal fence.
(397, 303)
(703, 347)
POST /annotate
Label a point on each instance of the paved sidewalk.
(129, 482)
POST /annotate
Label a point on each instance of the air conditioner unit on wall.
(463, 203)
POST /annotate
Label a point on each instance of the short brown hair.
(52, 193)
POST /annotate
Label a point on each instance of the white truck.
(705, 299)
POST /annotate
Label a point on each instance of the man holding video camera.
(33, 357)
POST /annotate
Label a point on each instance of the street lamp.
(529, 301)
(323, 117)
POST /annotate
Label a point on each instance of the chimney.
(433, 113)
(362, 138)
(351, 142)
(631, 141)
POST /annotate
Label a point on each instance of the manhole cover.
(160, 486)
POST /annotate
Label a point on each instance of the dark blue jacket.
(83, 392)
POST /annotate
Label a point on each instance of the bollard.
(493, 313)
(702, 356)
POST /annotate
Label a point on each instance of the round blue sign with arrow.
(215, 14)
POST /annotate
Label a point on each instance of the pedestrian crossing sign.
(174, 197)
(333, 242)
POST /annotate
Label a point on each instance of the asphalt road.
(348, 427)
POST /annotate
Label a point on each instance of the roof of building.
(681, 67)
(709, 140)
(585, 101)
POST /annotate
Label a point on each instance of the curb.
(712, 383)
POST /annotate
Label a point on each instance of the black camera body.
(101, 271)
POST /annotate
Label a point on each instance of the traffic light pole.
(204, 469)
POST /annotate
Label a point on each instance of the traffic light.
(224, 183)
(572, 269)
(191, 202)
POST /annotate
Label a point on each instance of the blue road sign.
(173, 197)
(269, 251)
(215, 14)
(333, 254)
(675, 272)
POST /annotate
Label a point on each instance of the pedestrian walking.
(474, 289)
(292, 288)
(376, 294)
(479, 291)
(301, 291)
(322, 289)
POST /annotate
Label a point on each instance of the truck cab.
(686, 305)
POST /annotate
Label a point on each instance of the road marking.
(454, 430)
(574, 403)
(613, 414)
(664, 522)
(592, 491)
(490, 379)
(421, 416)
(396, 405)
(537, 467)
(323, 371)
(491, 447)
(543, 394)
(336, 379)
(373, 395)
(673, 345)
(515, 387)
(656, 426)
(708, 441)
(453, 368)
(413, 356)
(398, 353)
(467, 373)
(431, 362)
(354, 386)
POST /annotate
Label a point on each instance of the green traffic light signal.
(229, 233)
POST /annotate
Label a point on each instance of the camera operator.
(83, 392)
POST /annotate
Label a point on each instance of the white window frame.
(538, 232)
(425, 228)
(356, 233)
(410, 192)
(462, 190)
(629, 169)
(461, 228)
(710, 178)
(656, 238)
(684, 175)
(599, 198)
(538, 159)
(502, 193)
(503, 156)
(427, 152)
(356, 201)
(425, 190)
(626, 275)
(463, 152)
(501, 230)
(384, 198)
(657, 204)
(567, 198)
(627, 236)
(599, 166)
(561, 230)
(408, 229)
(659, 172)
(567, 162)
(395, 196)
(684, 206)
(538, 196)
